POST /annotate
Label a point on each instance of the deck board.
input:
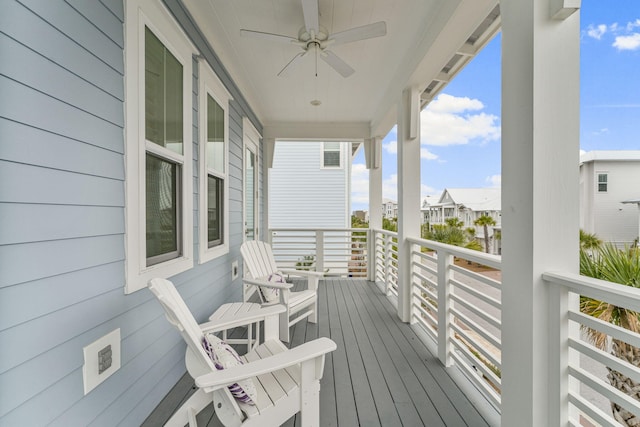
(380, 375)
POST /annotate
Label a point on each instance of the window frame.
(605, 182)
(210, 85)
(141, 14)
(340, 150)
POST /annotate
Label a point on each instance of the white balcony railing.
(456, 301)
(340, 252)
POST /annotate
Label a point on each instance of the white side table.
(226, 313)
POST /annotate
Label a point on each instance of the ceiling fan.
(313, 38)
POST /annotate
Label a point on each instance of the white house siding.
(603, 213)
(62, 252)
(302, 194)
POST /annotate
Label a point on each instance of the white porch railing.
(340, 252)
(585, 367)
(456, 301)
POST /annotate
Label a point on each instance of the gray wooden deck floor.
(380, 375)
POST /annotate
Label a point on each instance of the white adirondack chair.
(287, 380)
(260, 263)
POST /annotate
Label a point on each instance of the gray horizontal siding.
(62, 207)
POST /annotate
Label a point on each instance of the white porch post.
(373, 152)
(408, 192)
(268, 149)
(540, 190)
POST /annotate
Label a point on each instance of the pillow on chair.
(270, 295)
(224, 356)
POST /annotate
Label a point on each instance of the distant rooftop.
(610, 155)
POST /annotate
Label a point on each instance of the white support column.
(373, 154)
(540, 190)
(268, 148)
(408, 193)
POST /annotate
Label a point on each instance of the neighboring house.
(467, 205)
(310, 185)
(389, 209)
(607, 180)
(361, 215)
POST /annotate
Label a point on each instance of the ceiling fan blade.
(377, 29)
(268, 36)
(311, 13)
(291, 65)
(336, 63)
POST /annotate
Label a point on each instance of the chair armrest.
(305, 273)
(242, 319)
(267, 284)
(307, 351)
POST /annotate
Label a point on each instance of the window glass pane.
(332, 159)
(215, 135)
(163, 95)
(214, 210)
(162, 215)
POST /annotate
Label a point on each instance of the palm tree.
(485, 221)
(618, 266)
(589, 241)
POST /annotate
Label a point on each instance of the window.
(158, 152)
(331, 155)
(602, 182)
(214, 188)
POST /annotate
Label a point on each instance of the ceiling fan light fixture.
(316, 102)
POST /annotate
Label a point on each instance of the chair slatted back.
(180, 316)
(258, 258)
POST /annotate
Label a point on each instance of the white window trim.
(138, 14)
(251, 140)
(211, 85)
(340, 150)
(598, 173)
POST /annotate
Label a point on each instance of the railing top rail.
(613, 293)
(387, 232)
(490, 260)
(313, 230)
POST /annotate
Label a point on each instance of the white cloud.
(631, 42)
(359, 183)
(450, 120)
(391, 147)
(446, 103)
(596, 32)
(633, 24)
(427, 155)
(494, 181)
(427, 191)
(390, 187)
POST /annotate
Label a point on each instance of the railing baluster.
(445, 304)
(320, 250)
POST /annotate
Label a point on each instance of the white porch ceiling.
(423, 36)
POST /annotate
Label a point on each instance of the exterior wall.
(304, 195)
(62, 258)
(603, 213)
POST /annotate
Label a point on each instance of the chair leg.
(309, 395)
(284, 326)
(186, 413)
(313, 317)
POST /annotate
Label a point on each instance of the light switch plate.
(90, 370)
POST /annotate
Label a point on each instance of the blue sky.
(462, 145)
